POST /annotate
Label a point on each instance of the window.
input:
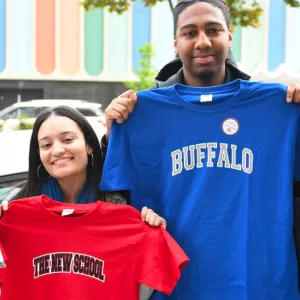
(89, 112)
(21, 112)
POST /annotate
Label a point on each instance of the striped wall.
(275, 43)
(58, 40)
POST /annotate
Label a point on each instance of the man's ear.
(175, 47)
(230, 37)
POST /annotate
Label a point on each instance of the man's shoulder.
(278, 89)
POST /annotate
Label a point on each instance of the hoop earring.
(38, 173)
(92, 155)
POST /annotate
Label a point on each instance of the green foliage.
(146, 73)
(243, 12)
(292, 3)
(23, 125)
(118, 6)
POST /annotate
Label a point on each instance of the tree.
(146, 73)
(243, 12)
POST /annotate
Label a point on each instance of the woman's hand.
(3, 207)
(152, 218)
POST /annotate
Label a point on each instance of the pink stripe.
(69, 36)
(45, 36)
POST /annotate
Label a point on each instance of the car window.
(10, 115)
(38, 110)
(90, 112)
(27, 112)
(8, 193)
(10, 185)
(21, 112)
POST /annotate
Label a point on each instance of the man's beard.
(207, 75)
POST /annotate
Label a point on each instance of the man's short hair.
(183, 4)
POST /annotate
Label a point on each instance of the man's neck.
(200, 82)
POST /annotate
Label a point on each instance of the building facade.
(54, 49)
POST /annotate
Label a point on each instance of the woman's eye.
(45, 146)
(68, 140)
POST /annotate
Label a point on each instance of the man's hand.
(293, 93)
(119, 109)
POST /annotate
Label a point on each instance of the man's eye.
(214, 30)
(189, 33)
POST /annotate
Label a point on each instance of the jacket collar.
(174, 69)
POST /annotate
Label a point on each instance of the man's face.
(202, 41)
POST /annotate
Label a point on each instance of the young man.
(202, 39)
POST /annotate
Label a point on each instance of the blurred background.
(57, 49)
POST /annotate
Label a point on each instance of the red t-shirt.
(99, 251)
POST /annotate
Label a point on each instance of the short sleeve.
(117, 174)
(297, 155)
(159, 260)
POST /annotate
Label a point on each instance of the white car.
(14, 153)
(27, 111)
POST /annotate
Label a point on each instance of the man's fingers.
(127, 102)
(290, 93)
(296, 97)
(119, 113)
(131, 95)
(122, 110)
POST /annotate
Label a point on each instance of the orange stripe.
(69, 36)
(45, 36)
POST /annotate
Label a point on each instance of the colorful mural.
(58, 40)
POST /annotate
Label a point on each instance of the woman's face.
(63, 150)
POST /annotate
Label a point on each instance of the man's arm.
(119, 197)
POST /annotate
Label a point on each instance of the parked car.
(14, 152)
(11, 116)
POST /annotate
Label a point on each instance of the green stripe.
(237, 43)
(93, 44)
(117, 44)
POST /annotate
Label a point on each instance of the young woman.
(65, 162)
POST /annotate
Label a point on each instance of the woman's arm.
(147, 214)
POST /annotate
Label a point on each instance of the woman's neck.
(71, 187)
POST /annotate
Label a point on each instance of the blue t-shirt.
(218, 163)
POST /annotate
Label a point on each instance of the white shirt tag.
(2, 262)
(67, 212)
(206, 98)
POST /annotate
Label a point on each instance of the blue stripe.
(141, 30)
(21, 35)
(277, 39)
(2, 35)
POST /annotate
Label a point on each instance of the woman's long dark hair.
(33, 185)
